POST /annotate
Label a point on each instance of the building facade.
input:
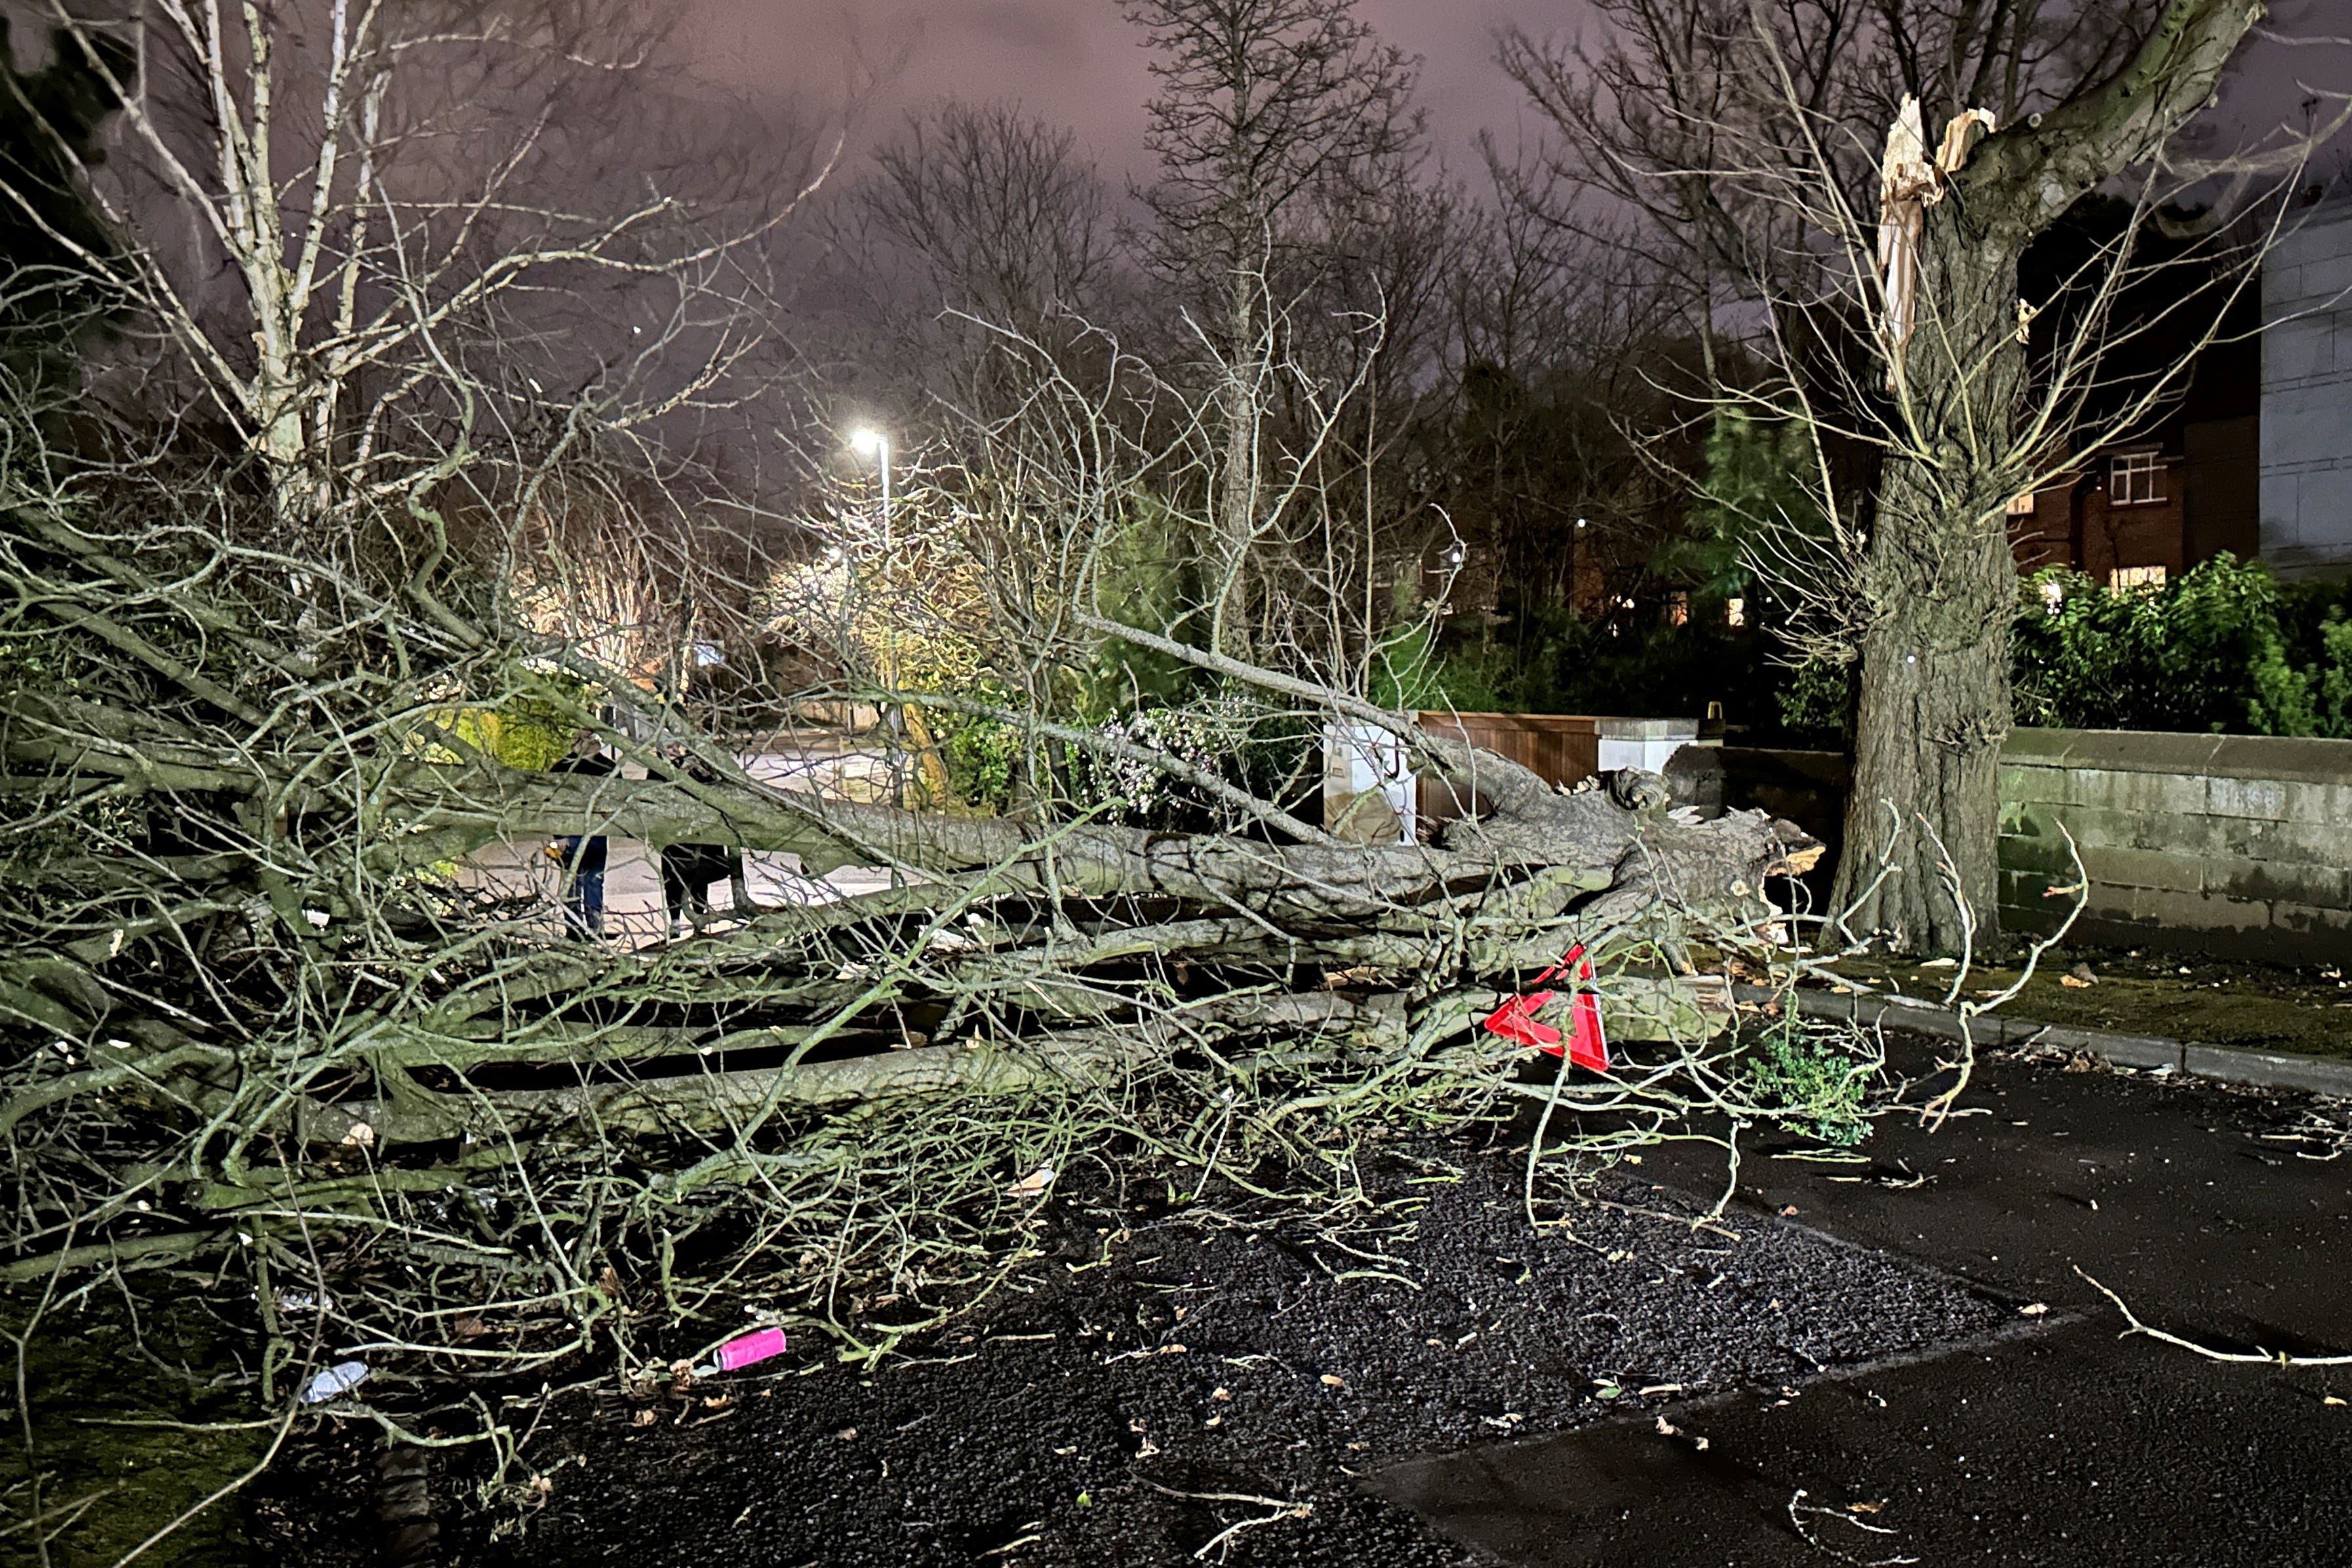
(2306, 406)
(2143, 511)
(2255, 457)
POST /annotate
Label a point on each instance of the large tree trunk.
(1922, 822)
(1236, 502)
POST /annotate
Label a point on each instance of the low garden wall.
(2237, 845)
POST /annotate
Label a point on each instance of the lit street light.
(871, 442)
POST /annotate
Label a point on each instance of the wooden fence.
(1561, 748)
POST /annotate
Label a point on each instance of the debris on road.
(340, 1378)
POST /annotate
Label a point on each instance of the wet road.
(2059, 1444)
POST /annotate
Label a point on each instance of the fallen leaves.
(1668, 1429)
(2034, 1309)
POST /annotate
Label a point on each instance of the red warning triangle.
(1587, 1045)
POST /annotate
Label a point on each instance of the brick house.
(2144, 511)
(2255, 457)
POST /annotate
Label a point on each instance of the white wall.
(2306, 522)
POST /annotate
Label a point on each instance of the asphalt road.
(2059, 1443)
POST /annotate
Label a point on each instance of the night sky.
(1076, 61)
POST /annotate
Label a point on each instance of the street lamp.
(867, 442)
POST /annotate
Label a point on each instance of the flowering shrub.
(1215, 736)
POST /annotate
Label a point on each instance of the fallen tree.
(294, 1028)
(239, 945)
(317, 843)
(278, 1040)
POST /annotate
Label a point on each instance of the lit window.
(1735, 611)
(2134, 478)
(1677, 608)
(2137, 579)
(2021, 505)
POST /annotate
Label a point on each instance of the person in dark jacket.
(689, 870)
(581, 855)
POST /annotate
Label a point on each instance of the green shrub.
(1815, 695)
(2226, 648)
(983, 758)
(1807, 1083)
(522, 732)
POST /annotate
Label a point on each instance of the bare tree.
(1276, 122)
(1565, 343)
(331, 206)
(1882, 273)
(1010, 224)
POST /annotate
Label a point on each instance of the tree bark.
(1922, 825)
(1922, 822)
(1236, 498)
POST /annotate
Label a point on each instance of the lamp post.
(872, 443)
(868, 442)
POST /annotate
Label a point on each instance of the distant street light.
(871, 442)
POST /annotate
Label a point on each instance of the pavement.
(2226, 1063)
(521, 868)
(2057, 1443)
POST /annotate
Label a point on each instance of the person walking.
(689, 870)
(581, 855)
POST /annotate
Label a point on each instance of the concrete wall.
(2306, 419)
(1805, 787)
(2237, 845)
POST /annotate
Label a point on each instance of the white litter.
(340, 1378)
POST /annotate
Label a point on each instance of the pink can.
(750, 1348)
